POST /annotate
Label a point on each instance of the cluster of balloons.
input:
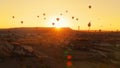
(43, 15)
(37, 17)
(89, 24)
(14, 17)
(57, 19)
(74, 18)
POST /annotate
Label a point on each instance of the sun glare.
(58, 22)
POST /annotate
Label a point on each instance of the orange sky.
(104, 14)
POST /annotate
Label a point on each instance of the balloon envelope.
(44, 18)
(66, 11)
(37, 16)
(89, 24)
(13, 16)
(44, 14)
(57, 19)
(73, 17)
(53, 24)
(77, 19)
(61, 14)
(90, 6)
(21, 22)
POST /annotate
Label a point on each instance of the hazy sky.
(104, 14)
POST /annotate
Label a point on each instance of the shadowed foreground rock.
(16, 56)
(9, 50)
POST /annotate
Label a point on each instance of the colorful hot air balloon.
(57, 19)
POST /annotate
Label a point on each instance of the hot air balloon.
(57, 19)
(66, 11)
(44, 14)
(61, 14)
(13, 16)
(44, 18)
(77, 19)
(73, 17)
(21, 22)
(89, 25)
(37, 16)
(90, 6)
(53, 24)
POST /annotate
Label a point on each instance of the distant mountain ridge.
(40, 28)
(36, 29)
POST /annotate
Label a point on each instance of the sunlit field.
(58, 48)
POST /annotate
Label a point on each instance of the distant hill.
(40, 28)
(34, 29)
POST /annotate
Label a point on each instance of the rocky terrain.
(49, 48)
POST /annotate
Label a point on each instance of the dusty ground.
(49, 48)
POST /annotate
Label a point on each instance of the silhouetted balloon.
(21, 22)
(73, 17)
(77, 19)
(90, 6)
(37, 16)
(53, 24)
(61, 14)
(44, 14)
(57, 19)
(44, 18)
(13, 16)
(66, 11)
(89, 25)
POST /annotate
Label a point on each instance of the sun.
(58, 22)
